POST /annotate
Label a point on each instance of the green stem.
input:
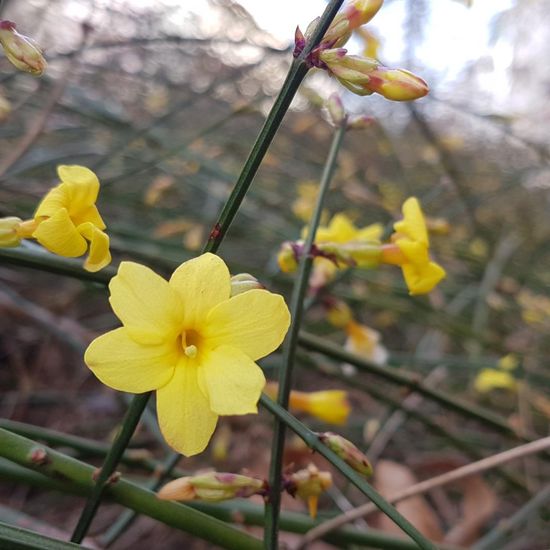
(247, 512)
(291, 343)
(312, 441)
(79, 475)
(16, 538)
(134, 457)
(131, 420)
(296, 74)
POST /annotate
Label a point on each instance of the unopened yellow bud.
(21, 50)
(242, 282)
(308, 485)
(438, 226)
(348, 452)
(9, 237)
(397, 84)
(287, 258)
(212, 487)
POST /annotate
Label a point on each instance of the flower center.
(190, 342)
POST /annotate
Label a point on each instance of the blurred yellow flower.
(193, 343)
(342, 230)
(410, 250)
(364, 341)
(67, 221)
(490, 379)
(331, 406)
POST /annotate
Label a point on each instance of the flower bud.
(360, 122)
(308, 484)
(21, 50)
(335, 109)
(396, 84)
(242, 282)
(9, 236)
(287, 259)
(348, 452)
(212, 487)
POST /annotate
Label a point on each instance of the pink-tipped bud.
(360, 122)
(212, 487)
(335, 109)
(9, 235)
(21, 50)
(242, 282)
(308, 484)
(348, 452)
(397, 84)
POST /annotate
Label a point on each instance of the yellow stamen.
(190, 351)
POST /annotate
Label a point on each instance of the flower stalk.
(291, 343)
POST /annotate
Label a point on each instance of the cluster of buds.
(213, 487)
(348, 452)
(308, 485)
(21, 50)
(360, 75)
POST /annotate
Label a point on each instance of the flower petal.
(124, 365)
(254, 322)
(145, 303)
(99, 255)
(422, 279)
(185, 418)
(59, 235)
(82, 186)
(56, 199)
(413, 224)
(232, 381)
(201, 283)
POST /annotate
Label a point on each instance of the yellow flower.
(342, 230)
(365, 341)
(410, 250)
(67, 221)
(490, 379)
(331, 406)
(193, 343)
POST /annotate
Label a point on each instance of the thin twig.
(427, 485)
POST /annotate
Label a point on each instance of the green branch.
(62, 468)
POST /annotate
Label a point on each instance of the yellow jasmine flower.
(410, 250)
(490, 379)
(67, 221)
(192, 342)
(342, 230)
(364, 341)
(331, 406)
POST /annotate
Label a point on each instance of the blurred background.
(163, 100)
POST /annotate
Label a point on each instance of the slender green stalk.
(133, 457)
(16, 538)
(312, 441)
(291, 343)
(501, 533)
(296, 74)
(79, 475)
(247, 512)
(129, 424)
